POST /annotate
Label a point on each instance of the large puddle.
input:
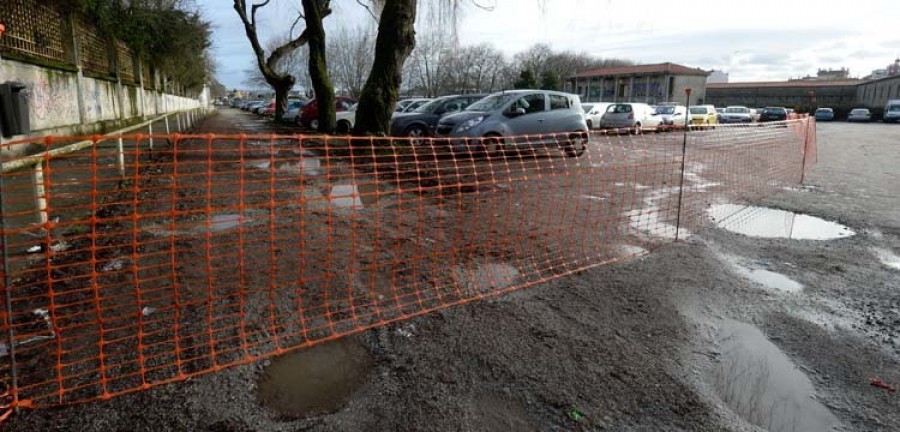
(762, 385)
(770, 223)
(768, 279)
(888, 258)
(315, 381)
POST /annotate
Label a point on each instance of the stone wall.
(68, 103)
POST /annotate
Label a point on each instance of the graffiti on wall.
(52, 101)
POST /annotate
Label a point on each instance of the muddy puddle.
(315, 381)
(217, 223)
(762, 385)
(354, 197)
(887, 258)
(309, 166)
(485, 278)
(762, 276)
(768, 223)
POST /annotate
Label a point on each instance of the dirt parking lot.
(720, 331)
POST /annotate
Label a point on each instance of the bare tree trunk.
(396, 40)
(318, 68)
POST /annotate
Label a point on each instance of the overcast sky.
(752, 40)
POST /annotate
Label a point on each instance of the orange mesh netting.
(217, 250)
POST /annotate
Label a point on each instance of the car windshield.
(824, 110)
(619, 109)
(431, 107)
(491, 103)
(776, 110)
(416, 104)
(737, 111)
(894, 108)
(699, 110)
(665, 110)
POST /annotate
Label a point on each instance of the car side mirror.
(518, 112)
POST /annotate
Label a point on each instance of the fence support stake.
(150, 130)
(121, 157)
(168, 132)
(40, 199)
(805, 151)
(687, 125)
(178, 120)
(7, 321)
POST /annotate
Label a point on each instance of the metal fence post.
(7, 319)
(687, 122)
(805, 151)
(168, 132)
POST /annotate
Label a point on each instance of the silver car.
(859, 115)
(736, 114)
(521, 118)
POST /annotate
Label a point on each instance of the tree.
(527, 80)
(550, 81)
(314, 12)
(395, 41)
(349, 53)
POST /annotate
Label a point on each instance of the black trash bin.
(14, 118)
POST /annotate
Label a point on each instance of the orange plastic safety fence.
(217, 250)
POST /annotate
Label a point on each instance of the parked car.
(408, 105)
(671, 115)
(293, 110)
(253, 106)
(892, 111)
(860, 115)
(346, 120)
(309, 115)
(593, 113)
(269, 110)
(704, 115)
(771, 114)
(719, 112)
(422, 121)
(824, 114)
(636, 117)
(520, 118)
(736, 114)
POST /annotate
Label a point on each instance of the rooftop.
(808, 84)
(660, 68)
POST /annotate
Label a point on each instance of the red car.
(309, 115)
(270, 110)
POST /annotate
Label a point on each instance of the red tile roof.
(661, 68)
(769, 84)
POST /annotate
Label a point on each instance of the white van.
(892, 111)
(633, 116)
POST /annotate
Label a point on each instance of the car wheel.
(344, 127)
(314, 124)
(590, 125)
(637, 129)
(417, 135)
(492, 145)
(577, 144)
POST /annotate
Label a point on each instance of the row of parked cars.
(891, 113)
(511, 118)
(640, 116)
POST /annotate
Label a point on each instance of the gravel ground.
(627, 346)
